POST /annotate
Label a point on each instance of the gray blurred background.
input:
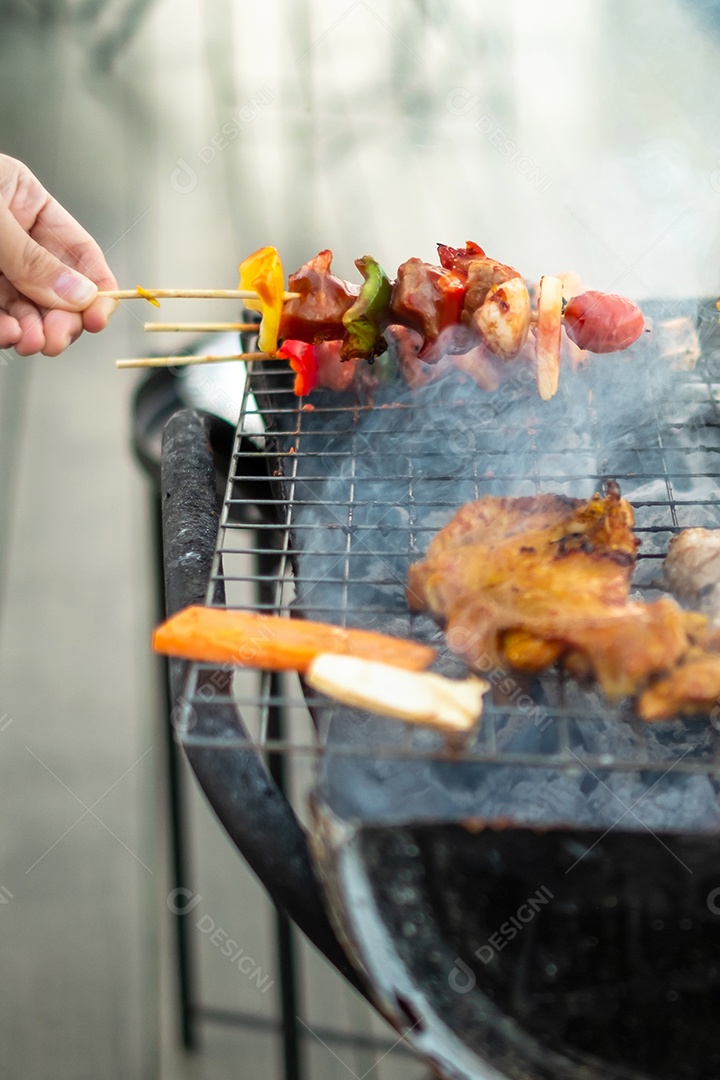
(185, 135)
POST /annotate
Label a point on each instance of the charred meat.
(530, 581)
(692, 570)
(692, 573)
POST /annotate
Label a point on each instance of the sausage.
(603, 322)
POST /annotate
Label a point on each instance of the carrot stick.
(247, 638)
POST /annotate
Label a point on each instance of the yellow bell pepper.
(263, 273)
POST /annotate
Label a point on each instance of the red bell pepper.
(303, 360)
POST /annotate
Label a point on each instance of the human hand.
(50, 269)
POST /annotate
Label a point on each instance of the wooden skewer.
(202, 294)
(199, 327)
(182, 361)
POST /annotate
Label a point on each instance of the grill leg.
(177, 821)
(190, 520)
(284, 933)
(179, 875)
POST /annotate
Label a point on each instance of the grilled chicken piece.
(693, 688)
(483, 275)
(503, 321)
(528, 581)
(691, 570)
(692, 573)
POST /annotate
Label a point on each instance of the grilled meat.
(529, 581)
(404, 345)
(692, 688)
(317, 314)
(692, 573)
(429, 299)
(460, 258)
(692, 570)
(471, 306)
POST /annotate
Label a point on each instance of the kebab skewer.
(470, 307)
(469, 303)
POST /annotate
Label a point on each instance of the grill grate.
(354, 493)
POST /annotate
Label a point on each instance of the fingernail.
(76, 289)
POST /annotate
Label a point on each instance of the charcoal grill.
(540, 901)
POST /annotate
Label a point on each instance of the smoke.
(371, 487)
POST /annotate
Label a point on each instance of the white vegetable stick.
(547, 346)
(416, 697)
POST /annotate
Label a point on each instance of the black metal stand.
(156, 402)
(255, 813)
(284, 935)
(177, 821)
(190, 516)
(190, 1011)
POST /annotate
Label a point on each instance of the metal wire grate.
(354, 492)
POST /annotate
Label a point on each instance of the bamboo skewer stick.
(183, 361)
(202, 294)
(200, 327)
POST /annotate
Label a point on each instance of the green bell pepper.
(364, 320)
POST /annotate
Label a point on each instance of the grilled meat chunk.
(692, 570)
(503, 320)
(429, 299)
(692, 573)
(404, 345)
(483, 274)
(460, 258)
(317, 314)
(692, 688)
(528, 581)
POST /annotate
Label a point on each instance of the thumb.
(38, 274)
